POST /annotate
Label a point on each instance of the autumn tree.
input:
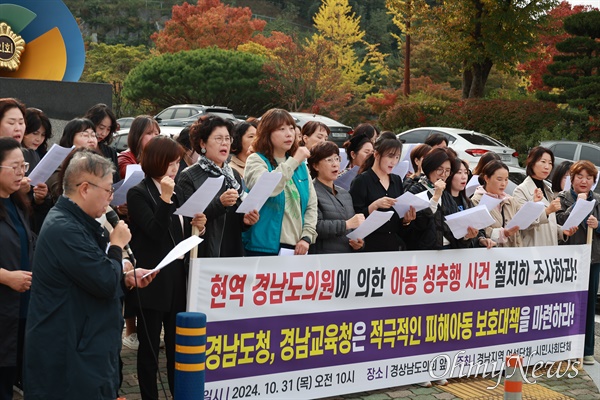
(545, 49)
(212, 23)
(575, 74)
(337, 24)
(406, 15)
(301, 79)
(112, 64)
(483, 34)
(205, 76)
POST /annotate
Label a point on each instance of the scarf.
(214, 170)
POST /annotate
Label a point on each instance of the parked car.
(469, 145)
(339, 131)
(573, 151)
(125, 122)
(187, 114)
(120, 139)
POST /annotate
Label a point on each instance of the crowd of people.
(67, 276)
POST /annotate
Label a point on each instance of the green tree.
(209, 76)
(575, 74)
(484, 33)
(111, 64)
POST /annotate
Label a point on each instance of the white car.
(469, 145)
(339, 131)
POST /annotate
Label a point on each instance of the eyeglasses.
(110, 191)
(222, 139)
(333, 160)
(443, 171)
(87, 135)
(18, 168)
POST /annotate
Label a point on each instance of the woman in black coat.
(211, 138)
(16, 244)
(156, 230)
(376, 189)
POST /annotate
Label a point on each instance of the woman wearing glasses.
(17, 242)
(211, 138)
(78, 132)
(336, 217)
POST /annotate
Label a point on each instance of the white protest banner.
(327, 325)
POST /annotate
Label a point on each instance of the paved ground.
(582, 387)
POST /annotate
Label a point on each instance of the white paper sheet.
(260, 192)
(472, 185)
(401, 169)
(122, 187)
(286, 252)
(373, 221)
(201, 198)
(343, 158)
(477, 217)
(406, 149)
(567, 186)
(345, 180)
(47, 165)
(528, 213)
(130, 169)
(408, 199)
(580, 212)
(489, 201)
(177, 251)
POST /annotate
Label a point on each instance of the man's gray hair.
(85, 163)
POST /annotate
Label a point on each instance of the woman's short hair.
(34, 120)
(8, 144)
(239, 130)
(158, 154)
(489, 169)
(434, 159)
(558, 173)
(311, 127)
(417, 153)
(534, 156)
(8, 103)
(97, 113)
(318, 152)
(367, 129)
(203, 127)
(435, 139)
(485, 158)
(139, 126)
(184, 138)
(583, 165)
(72, 128)
(269, 122)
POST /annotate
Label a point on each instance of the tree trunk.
(467, 80)
(481, 71)
(406, 91)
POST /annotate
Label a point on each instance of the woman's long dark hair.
(8, 144)
(381, 147)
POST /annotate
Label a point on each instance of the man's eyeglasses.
(18, 169)
(110, 191)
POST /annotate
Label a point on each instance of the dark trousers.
(9, 376)
(148, 331)
(590, 324)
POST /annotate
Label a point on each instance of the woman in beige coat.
(494, 178)
(544, 231)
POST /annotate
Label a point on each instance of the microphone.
(113, 220)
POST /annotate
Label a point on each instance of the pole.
(190, 355)
(513, 380)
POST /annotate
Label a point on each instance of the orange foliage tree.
(552, 33)
(212, 23)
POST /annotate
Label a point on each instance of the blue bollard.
(190, 355)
